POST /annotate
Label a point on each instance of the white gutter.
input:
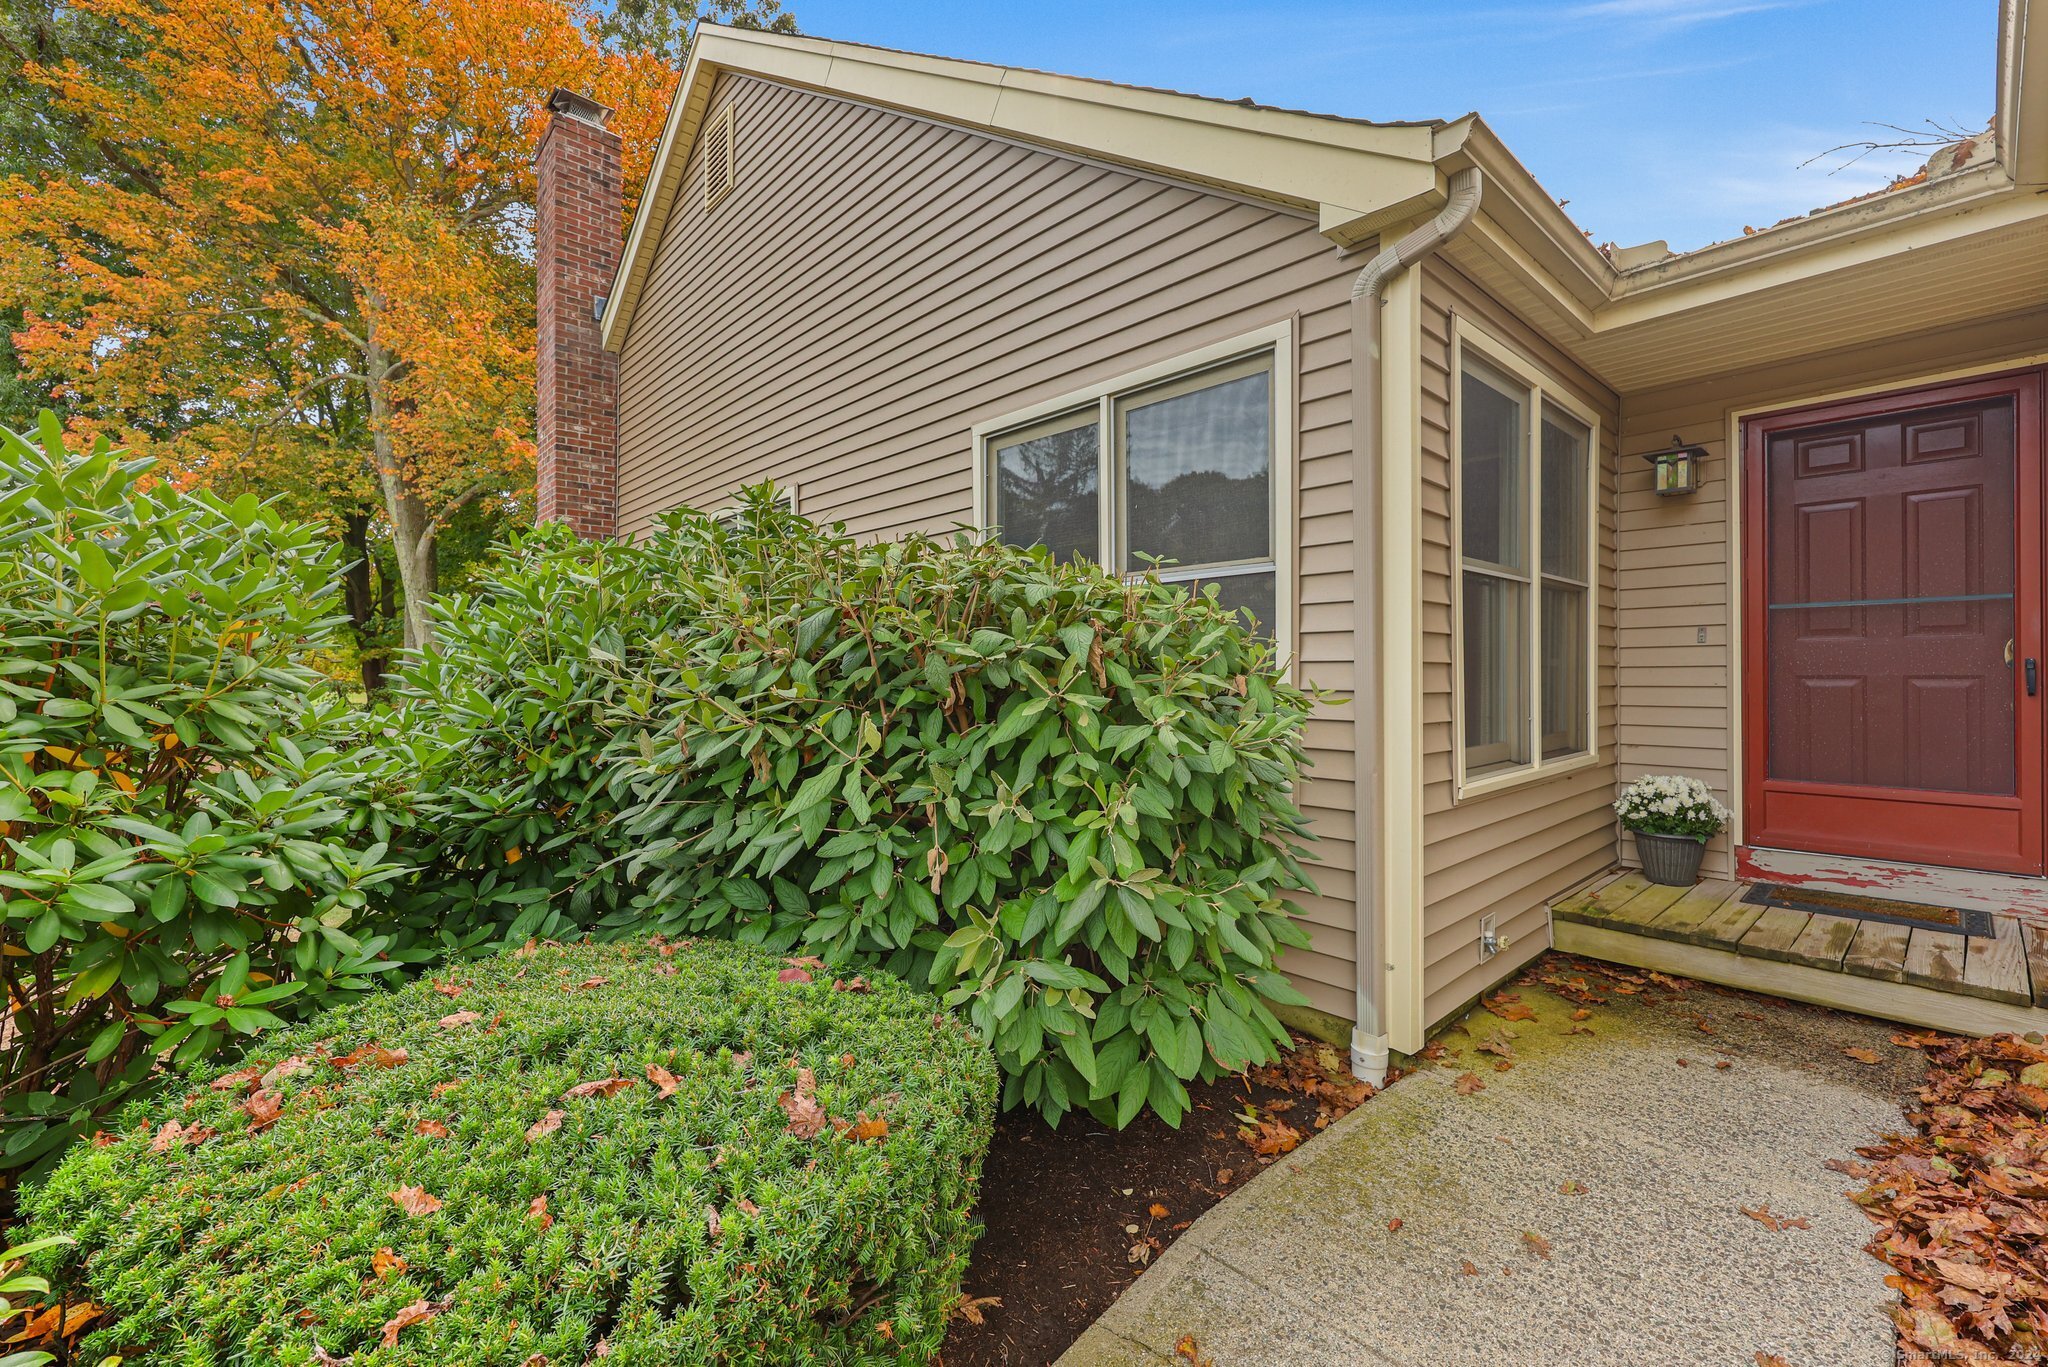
(1369, 1047)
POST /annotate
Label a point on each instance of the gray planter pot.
(1673, 860)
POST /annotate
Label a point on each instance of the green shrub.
(691, 1153)
(171, 873)
(489, 772)
(1060, 797)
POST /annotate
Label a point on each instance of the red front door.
(1893, 631)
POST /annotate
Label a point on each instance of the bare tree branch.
(1932, 136)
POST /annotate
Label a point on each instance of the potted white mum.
(1673, 818)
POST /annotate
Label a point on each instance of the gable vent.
(718, 159)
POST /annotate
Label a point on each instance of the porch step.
(1923, 976)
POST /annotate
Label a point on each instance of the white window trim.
(1276, 339)
(1548, 389)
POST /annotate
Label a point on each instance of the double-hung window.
(1524, 595)
(1178, 469)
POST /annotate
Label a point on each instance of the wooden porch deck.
(1977, 984)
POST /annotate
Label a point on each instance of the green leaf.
(99, 897)
(1076, 912)
(1080, 1052)
(817, 788)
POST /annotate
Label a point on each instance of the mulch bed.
(1073, 1215)
(1962, 1204)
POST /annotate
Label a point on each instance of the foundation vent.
(719, 174)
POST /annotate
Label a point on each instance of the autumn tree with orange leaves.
(294, 250)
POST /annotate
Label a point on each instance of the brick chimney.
(577, 232)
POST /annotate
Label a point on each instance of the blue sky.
(1679, 119)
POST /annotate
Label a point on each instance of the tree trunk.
(359, 594)
(412, 544)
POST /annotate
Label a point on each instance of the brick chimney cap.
(574, 105)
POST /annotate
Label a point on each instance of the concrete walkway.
(1653, 1262)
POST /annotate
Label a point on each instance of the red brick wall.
(577, 237)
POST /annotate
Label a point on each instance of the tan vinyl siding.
(1506, 852)
(876, 284)
(1679, 697)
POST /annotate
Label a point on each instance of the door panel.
(1894, 593)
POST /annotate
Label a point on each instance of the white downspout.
(1369, 1036)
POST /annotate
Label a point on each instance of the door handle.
(2033, 676)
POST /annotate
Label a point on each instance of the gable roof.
(1361, 178)
(1356, 176)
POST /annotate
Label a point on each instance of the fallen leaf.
(545, 1126)
(537, 1209)
(1465, 1266)
(665, 1082)
(384, 1263)
(264, 1108)
(713, 1226)
(865, 1130)
(1771, 1220)
(1394, 1225)
(807, 1119)
(414, 1201)
(459, 1019)
(589, 983)
(1572, 1189)
(1508, 1007)
(433, 1129)
(1468, 1083)
(447, 988)
(1157, 1211)
(1271, 1138)
(970, 1308)
(375, 1055)
(1223, 1176)
(851, 985)
(792, 975)
(419, 1312)
(604, 1086)
(1764, 1359)
(56, 1321)
(1864, 1055)
(237, 1080)
(1537, 1244)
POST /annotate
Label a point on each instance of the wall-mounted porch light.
(1677, 469)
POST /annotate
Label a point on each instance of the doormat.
(1961, 920)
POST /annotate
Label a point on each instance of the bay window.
(1175, 470)
(1524, 597)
